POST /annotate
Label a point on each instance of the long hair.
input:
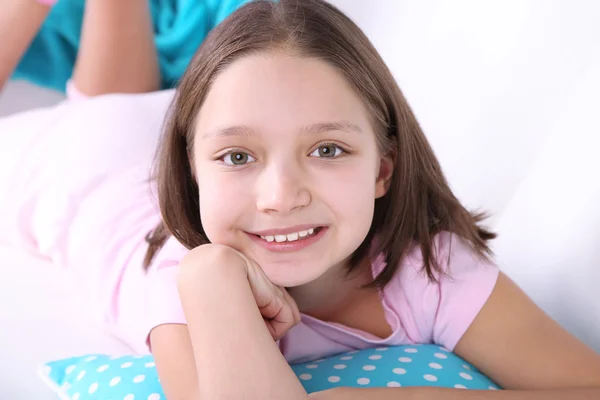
(419, 203)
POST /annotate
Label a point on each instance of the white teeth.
(290, 237)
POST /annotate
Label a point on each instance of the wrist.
(208, 264)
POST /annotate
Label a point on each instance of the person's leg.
(117, 52)
(20, 20)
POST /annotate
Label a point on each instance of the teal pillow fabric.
(135, 377)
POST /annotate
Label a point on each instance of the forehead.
(279, 92)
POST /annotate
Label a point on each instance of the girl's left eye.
(328, 150)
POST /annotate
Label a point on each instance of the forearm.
(230, 339)
(20, 20)
(427, 393)
(117, 51)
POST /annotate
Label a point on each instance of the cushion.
(135, 377)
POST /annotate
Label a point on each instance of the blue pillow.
(135, 377)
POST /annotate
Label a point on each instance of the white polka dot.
(139, 378)
(375, 357)
(466, 376)
(430, 378)
(47, 370)
(346, 358)
(369, 368)
(102, 368)
(442, 348)
(465, 366)
(115, 357)
(399, 371)
(339, 366)
(129, 397)
(75, 396)
(305, 377)
(92, 358)
(393, 384)
(154, 396)
(70, 369)
(149, 365)
(334, 379)
(435, 366)
(363, 381)
(440, 356)
(353, 352)
(127, 364)
(459, 386)
(81, 375)
(93, 388)
(381, 349)
(138, 357)
(115, 381)
(312, 366)
(410, 350)
(492, 388)
(66, 386)
(321, 360)
(405, 359)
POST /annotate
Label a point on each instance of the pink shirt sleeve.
(164, 305)
(442, 312)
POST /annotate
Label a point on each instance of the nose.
(282, 188)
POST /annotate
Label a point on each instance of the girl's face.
(287, 166)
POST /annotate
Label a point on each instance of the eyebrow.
(245, 131)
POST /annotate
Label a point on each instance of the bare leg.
(19, 22)
(117, 52)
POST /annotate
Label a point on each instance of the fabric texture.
(180, 26)
(129, 377)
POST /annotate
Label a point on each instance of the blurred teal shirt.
(180, 26)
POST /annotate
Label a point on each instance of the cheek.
(221, 203)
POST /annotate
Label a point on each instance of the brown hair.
(419, 203)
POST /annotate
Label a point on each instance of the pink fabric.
(417, 310)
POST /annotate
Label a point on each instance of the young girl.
(302, 214)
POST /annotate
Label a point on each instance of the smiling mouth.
(291, 237)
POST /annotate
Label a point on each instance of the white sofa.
(507, 93)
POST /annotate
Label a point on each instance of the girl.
(320, 221)
(302, 214)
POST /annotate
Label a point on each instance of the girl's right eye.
(235, 158)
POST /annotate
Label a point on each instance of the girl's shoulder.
(440, 311)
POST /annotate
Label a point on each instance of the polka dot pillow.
(135, 377)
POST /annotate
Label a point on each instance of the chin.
(292, 277)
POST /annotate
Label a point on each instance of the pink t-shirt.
(417, 310)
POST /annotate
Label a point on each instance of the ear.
(384, 177)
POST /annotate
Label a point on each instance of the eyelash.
(221, 158)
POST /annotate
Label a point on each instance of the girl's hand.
(278, 308)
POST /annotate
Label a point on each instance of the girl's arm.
(19, 22)
(117, 51)
(518, 346)
(225, 351)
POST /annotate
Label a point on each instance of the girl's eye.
(328, 151)
(237, 158)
